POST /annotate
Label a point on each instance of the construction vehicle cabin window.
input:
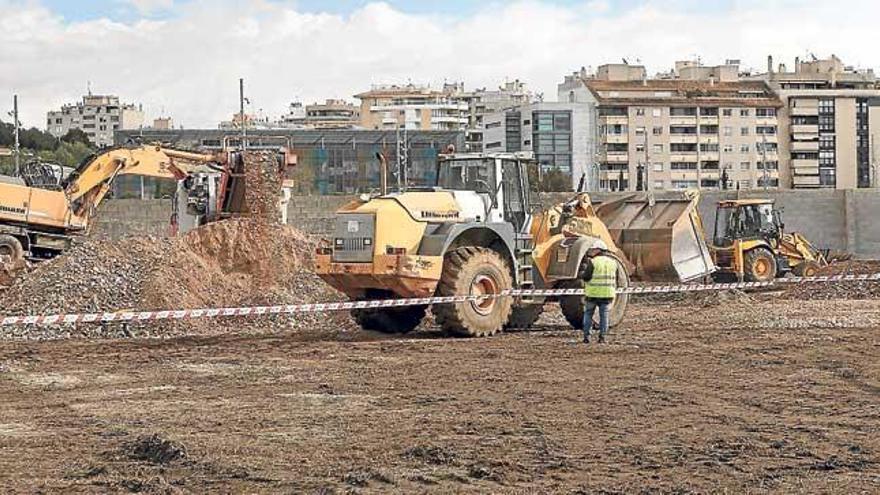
(746, 221)
(467, 175)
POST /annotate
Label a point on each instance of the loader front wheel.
(474, 271)
(403, 319)
(573, 306)
(760, 265)
(523, 316)
(806, 269)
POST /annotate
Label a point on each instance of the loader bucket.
(661, 237)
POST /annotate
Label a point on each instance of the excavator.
(751, 244)
(476, 232)
(39, 218)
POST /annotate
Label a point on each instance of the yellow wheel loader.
(474, 233)
(750, 244)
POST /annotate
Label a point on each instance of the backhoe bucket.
(661, 237)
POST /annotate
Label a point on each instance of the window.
(728, 131)
(744, 184)
(658, 167)
(709, 147)
(656, 112)
(616, 129)
(683, 111)
(684, 184)
(765, 112)
(659, 184)
(744, 112)
(745, 165)
(658, 130)
(683, 147)
(709, 112)
(657, 148)
(640, 111)
(640, 131)
(495, 144)
(728, 148)
(744, 131)
(744, 148)
(768, 129)
(683, 166)
(727, 112)
(492, 125)
(708, 129)
(640, 148)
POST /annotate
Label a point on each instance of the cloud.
(189, 63)
(147, 7)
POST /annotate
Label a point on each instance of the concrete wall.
(842, 220)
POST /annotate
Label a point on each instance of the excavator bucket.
(662, 237)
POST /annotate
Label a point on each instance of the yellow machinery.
(475, 233)
(37, 220)
(750, 243)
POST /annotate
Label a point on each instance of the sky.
(183, 58)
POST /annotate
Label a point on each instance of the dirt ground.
(721, 393)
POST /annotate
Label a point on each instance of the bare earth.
(712, 393)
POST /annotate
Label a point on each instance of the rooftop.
(683, 92)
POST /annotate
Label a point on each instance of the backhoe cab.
(750, 243)
(473, 233)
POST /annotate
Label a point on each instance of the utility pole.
(243, 121)
(764, 160)
(647, 184)
(16, 126)
(874, 165)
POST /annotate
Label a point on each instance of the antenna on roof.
(624, 61)
(89, 87)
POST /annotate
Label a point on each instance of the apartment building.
(332, 114)
(483, 102)
(829, 123)
(412, 107)
(96, 115)
(697, 127)
(560, 134)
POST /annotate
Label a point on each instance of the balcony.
(710, 156)
(709, 138)
(615, 157)
(804, 111)
(805, 146)
(805, 180)
(616, 138)
(766, 120)
(709, 119)
(809, 129)
(683, 138)
(682, 156)
(613, 119)
(613, 174)
(771, 138)
(684, 120)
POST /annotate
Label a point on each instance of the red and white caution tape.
(138, 316)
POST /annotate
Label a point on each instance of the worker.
(600, 288)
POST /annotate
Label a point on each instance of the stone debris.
(844, 290)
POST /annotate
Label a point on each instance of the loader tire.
(523, 316)
(10, 247)
(759, 265)
(467, 271)
(399, 320)
(573, 306)
(806, 269)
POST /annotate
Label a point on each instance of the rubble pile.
(245, 261)
(842, 290)
(262, 186)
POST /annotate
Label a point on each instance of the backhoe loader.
(750, 244)
(476, 233)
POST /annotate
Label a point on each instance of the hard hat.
(600, 244)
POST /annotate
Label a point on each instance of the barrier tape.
(129, 316)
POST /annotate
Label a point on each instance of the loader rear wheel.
(11, 248)
(523, 316)
(760, 265)
(403, 319)
(573, 306)
(806, 269)
(474, 271)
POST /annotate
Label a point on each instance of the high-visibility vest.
(603, 284)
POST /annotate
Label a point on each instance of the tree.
(555, 180)
(76, 136)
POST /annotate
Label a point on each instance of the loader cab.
(498, 184)
(746, 220)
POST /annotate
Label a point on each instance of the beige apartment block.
(683, 133)
(99, 116)
(414, 107)
(830, 124)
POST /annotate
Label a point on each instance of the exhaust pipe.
(383, 172)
